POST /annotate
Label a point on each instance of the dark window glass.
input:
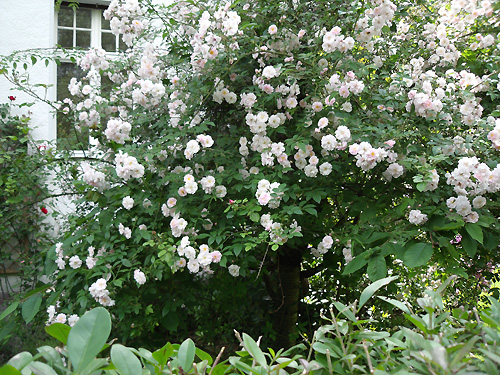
(82, 39)
(105, 24)
(65, 17)
(108, 42)
(65, 38)
(83, 18)
(68, 137)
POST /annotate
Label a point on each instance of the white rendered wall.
(24, 25)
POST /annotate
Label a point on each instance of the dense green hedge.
(434, 342)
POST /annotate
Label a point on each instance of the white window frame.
(95, 42)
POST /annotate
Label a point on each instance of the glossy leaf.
(254, 350)
(30, 307)
(185, 355)
(125, 361)
(59, 331)
(417, 255)
(371, 289)
(88, 336)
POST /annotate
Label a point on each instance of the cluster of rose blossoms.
(125, 18)
(196, 260)
(323, 247)
(205, 41)
(61, 317)
(99, 292)
(471, 178)
(276, 231)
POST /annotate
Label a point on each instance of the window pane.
(105, 24)
(82, 39)
(83, 18)
(67, 136)
(108, 42)
(121, 45)
(65, 17)
(65, 38)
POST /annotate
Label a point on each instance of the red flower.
(12, 98)
(44, 210)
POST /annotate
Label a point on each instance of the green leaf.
(254, 350)
(30, 307)
(88, 336)
(185, 355)
(125, 361)
(255, 217)
(59, 331)
(475, 231)
(9, 309)
(204, 356)
(51, 355)
(417, 254)
(371, 289)
(400, 305)
(469, 244)
(444, 285)
(377, 268)
(242, 366)
(345, 310)
(9, 370)
(20, 360)
(417, 321)
(355, 264)
(40, 368)
(162, 355)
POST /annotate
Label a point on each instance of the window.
(83, 27)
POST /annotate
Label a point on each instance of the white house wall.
(25, 25)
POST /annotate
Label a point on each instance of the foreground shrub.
(437, 342)
(267, 142)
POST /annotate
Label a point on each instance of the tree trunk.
(287, 297)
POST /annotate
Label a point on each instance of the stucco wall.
(24, 25)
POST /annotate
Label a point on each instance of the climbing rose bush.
(263, 143)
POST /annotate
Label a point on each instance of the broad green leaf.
(51, 355)
(475, 231)
(417, 321)
(185, 355)
(323, 348)
(40, 368)
(444, 285)
(20, 360)
(372, 335)
(204, 356)
(346, 311)
(59, 331)
(243, 367)
(400, 305)
(9, 310)
(464, 351)
(255, 217)
(9, 370)
(88, 336)
(371, 289)
(162, 355)
(377, 268)
(469, 244)
(125, 361)
(254, 350)
(355, 264)
(417, 255)
(30, 307)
